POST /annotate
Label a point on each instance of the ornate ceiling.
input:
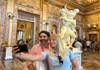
(86, 3)
(90, 6)
(85, 6)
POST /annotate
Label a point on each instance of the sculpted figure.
(72, 13)
(68, 32)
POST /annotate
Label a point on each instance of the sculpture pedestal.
(8, 53)
(78, 58)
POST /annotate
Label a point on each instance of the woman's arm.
(75, 64)
(27, 56)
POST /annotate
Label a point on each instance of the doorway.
(93, 37)
(25, 30)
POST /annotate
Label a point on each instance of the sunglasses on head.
(60, 60)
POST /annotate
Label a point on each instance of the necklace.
(59, 57)
(56, 53)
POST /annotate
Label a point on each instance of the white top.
(78, 45)
(88, 43)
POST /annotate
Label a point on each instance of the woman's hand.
(14, 51)
(26, 56)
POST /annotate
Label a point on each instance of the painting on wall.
(53, 29)
(21, 26)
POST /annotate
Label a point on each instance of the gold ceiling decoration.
(86, 2)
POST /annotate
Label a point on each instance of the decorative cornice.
(3, 2)
(71, 5)
(75, 5)
(55, 2)
(92, 7)
(92, 12)
(85, 10)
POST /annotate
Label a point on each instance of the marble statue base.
(77, 54)
(8, 53)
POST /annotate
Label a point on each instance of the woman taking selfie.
(58, 57)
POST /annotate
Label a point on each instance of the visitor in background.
(21, 42)
(83, 44)
(29, 43)
(78, 45)
(88, 45)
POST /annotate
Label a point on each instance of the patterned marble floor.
(91, 60)
(12, 65)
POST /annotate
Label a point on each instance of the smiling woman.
(56, 43)
(58, 57)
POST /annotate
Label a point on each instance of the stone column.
(10, 9)
(44, 16)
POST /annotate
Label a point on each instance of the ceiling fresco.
(85, 6)
(86, 3)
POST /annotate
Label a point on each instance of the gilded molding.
(55, 10)
(3, 2)
(36, 4)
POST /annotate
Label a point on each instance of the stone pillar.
(10, 9)
(44, 16)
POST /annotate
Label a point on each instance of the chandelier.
(86, 2)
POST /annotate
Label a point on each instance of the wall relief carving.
(92, 18)
(25, 16)
(55, 10)
(2, 2)
(54, 28)
(2, 22)
(36, 4)
(54, 24)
